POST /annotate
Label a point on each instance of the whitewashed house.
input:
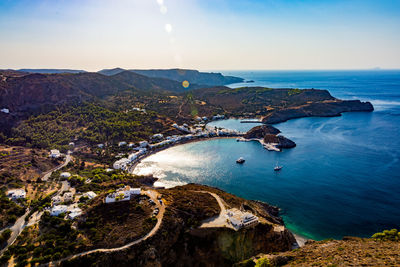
(5, 110)
(55, 153)
(143, 143)
(157, 136)
(100, 145)
(58, 209)
(56, 200)
(90, 195)
(65, 175)
(240, 219)
(122, 143)
(122, 194)
(16, 193)
(71, 144)
(121, 164)
(73, 213)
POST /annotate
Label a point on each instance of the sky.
(200, 34)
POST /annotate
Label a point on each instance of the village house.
(121, 164)
(58, 209)
(240, 219)
(90, 195)
(71, 144)
(56, 200)
(122, 143)
(122, 194)
(73, 213)
(100, 145)
(65, 175)
(143, 143)
(5, 110)
(16, 193)
(157, 136)
(55, 153)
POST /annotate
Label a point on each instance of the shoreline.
(300, 240)
(139, 160)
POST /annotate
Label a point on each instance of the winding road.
(20, 222)
(153, 196)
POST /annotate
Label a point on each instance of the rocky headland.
(329, 108)
(268, 134)
(181, 242)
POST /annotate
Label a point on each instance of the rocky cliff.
(270, 135)
(180, 242)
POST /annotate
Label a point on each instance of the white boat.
(278, 168)
(240, 160)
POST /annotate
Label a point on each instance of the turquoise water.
(343, 178)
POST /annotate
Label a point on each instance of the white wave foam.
(384, 103)
(168, 184)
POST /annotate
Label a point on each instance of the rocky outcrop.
(282, 141)
(270, 135)
(260, 131)
(179, 242)
(317, 109)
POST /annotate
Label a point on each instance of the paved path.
(221, 219)
(67, 160)
(153, 196)
(16, 230)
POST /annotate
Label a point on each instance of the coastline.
(133, 166)
(300, 240)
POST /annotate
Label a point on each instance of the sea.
(342, 178)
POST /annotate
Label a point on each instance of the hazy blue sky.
(201, 34)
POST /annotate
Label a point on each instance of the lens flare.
(185, 84)
(168, 28)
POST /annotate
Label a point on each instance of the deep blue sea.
(342, 178)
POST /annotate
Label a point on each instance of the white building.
(71, 144)
(122, 194)
(100, 145)
(90, 195)
(5, 110)
(56, 200)
(122, 143)
(131, 145)
(157, 136)
(143, 143)
(65, 175)
(240, 219)
(74, 212)
(139, 109)
(58, 209)
(121, 164)
(218, 117)
(16, 193)
(55, 153)
(109, 170)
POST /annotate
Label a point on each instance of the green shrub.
(387, 235)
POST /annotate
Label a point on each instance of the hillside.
(145, 83)
(351, 251)
(277, 105)
(51, 71)
(193, 76)
(181, 242)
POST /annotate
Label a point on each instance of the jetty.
(250, 121)
(268, 146)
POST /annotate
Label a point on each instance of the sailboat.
(240, 160)
(277, 167)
